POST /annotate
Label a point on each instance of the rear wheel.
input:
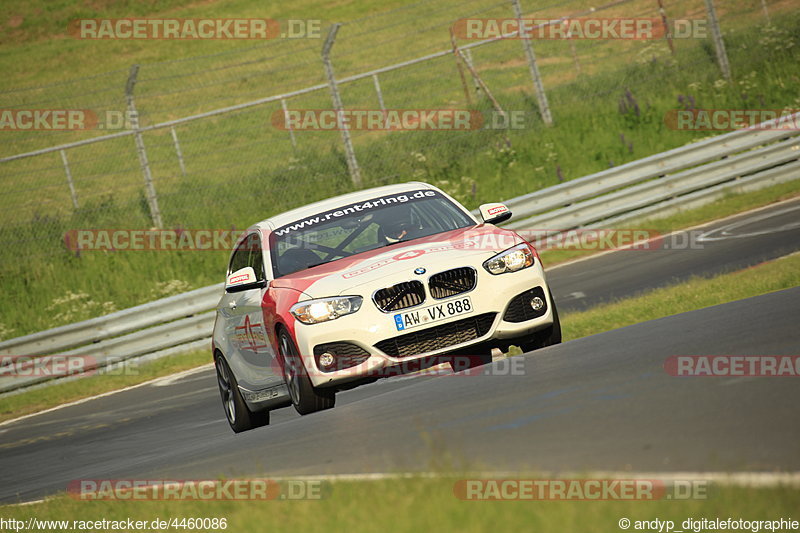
(237, 413)
(305, 397)
(545, 337)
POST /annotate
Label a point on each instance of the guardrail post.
(152, 198)
(72, 192)
(541, 97)
(719, 44)
(350, 154)
(178, 150)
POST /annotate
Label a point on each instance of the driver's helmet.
(398, 224)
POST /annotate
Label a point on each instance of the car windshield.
(360, 227)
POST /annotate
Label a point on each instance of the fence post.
(480, 82)
(544, 107)
(152, 198)
(719, 44)
(573, 50)
(460, 69)
(665, 23)
(350, 154)
(471, 66)
(178, 150)
(766, 11)
(288, 123)
(378, 92)
(72, 192)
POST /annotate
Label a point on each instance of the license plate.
(432, 313)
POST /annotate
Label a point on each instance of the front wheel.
(305, 397)
(239, 417)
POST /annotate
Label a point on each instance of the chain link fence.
(201, 146)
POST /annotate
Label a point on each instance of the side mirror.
(495, 213)
(242, 280)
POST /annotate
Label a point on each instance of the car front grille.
(520, 310)
(345, 355)
(438, 337)
(401, 296)
(452, 282)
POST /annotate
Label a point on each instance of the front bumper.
(367, 328)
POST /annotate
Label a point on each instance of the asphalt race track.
(733, 244)
(599, 403)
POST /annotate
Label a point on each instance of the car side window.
(256, 256)
(249, 254)
(239, 259)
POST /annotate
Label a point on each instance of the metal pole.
(72, 192)
(471, 66)
(574, 51)
(482, 85)
(178, 150)
(544, 107)
(288, 122)
(152, 198)
(378, 91)
(719, 44)
(665, 22)
(350, 154)
(460, 69)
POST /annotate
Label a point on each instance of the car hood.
(368, 271)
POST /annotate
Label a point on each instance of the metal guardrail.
(650, 168)
(684, 177)
(114, 324)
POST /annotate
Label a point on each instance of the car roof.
(324, 205)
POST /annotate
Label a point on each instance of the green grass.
(240, 171)
(32, 401)
(696, 293)
(428, 504)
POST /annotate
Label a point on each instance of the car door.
(251, 354)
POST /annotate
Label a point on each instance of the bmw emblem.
(419, 271)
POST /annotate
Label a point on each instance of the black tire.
(547, 337)
(305, 397)
(239, 416)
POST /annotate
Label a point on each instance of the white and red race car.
(366, 285)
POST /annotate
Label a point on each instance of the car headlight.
(325, 309)
(513, 259)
